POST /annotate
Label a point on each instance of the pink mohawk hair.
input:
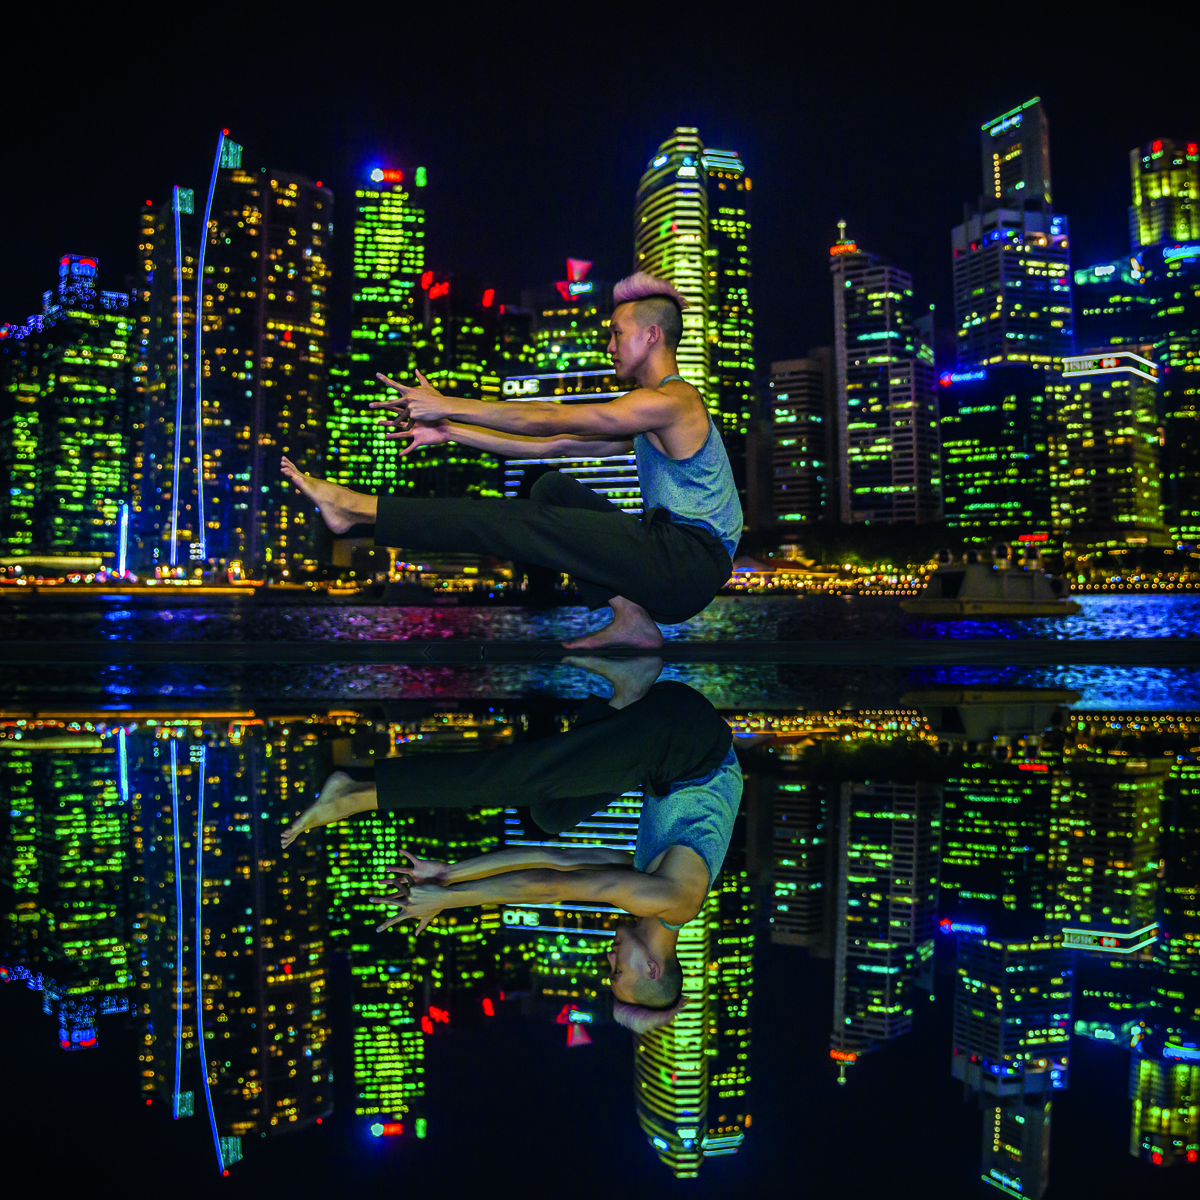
(641, 286)
(636, 1016)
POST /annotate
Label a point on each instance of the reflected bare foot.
(631, 628)
(341, 797)
(631, 678)
(340, 507)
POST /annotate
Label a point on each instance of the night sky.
(535, 131)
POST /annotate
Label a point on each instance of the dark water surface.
(183, 998)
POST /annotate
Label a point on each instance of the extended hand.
(424, 403)
(419, 901)
(421, 433)
(420, 870)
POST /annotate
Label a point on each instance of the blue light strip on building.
(212, 184)
(178, 378)
(123, 540)
(178, 927)
(123, 765)
(199, 940)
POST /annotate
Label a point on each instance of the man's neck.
(656, 370)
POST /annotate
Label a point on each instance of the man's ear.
(653, 969)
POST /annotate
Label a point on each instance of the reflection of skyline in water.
(1090, 822)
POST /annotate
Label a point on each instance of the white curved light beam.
(178, 377)
(212, 184)
(199, 942)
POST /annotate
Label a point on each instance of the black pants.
(673, 571)
(672, 734)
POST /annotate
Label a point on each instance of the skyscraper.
(64, 418)
(803, 432)
(220, 402)
(691, 226)
(1105, 475)
(1165, 177)
(995, 431)
(1016, 156)
(670, 240)
(570, 322)
(731, 310)
(887, 892)
(1113, 306)
(1012, 283)
(886, 408)
(387, 314)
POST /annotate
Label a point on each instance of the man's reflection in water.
(663, 738)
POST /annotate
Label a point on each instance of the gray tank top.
(698, 813)
(696, 491)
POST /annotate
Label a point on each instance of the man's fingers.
(390, 382)
(424, 383)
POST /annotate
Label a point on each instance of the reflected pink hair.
(641, 286)
(641, 1019)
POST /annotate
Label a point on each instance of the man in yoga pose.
(664, 739)
(665, 566)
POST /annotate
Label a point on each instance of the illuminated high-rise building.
(1012, 288)
(670, 241)
(1015, 1155)
(65, 419)
(1105, 830)
(1173, 282)
(1165, 178)
(387, 314)
(731, 310)
(1113, 306)
(615, 478)
(670, 1066)
(731, 939)
(1016, 156)
(801, 861)
(886, 408)
(68, 934)
(213, 426)
(691, 226)
(803, 455)
(1177, 950)
(1164, 1123)
(1105, 473)
(1012, 282)
(995, 839)
(570, 322)
(995, 433)
(887, 892)
(1012, 1015)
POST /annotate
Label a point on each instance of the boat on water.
(1005, 587)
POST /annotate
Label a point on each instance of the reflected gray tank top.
(698, 813)
(696, 491)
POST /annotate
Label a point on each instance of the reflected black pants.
(673, 571)
(672, 734)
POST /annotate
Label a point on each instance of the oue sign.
(519, 916)
(521, 387)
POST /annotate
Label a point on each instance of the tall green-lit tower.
(389, 260)
(64, 429)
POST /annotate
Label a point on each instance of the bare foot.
(631, 678)
(340, 507)
(341, 797)
(631, 628)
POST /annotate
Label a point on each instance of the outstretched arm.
(639, 411)
(521, 858)
(637, 893)
(507, 445)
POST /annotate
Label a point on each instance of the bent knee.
(548, 488)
